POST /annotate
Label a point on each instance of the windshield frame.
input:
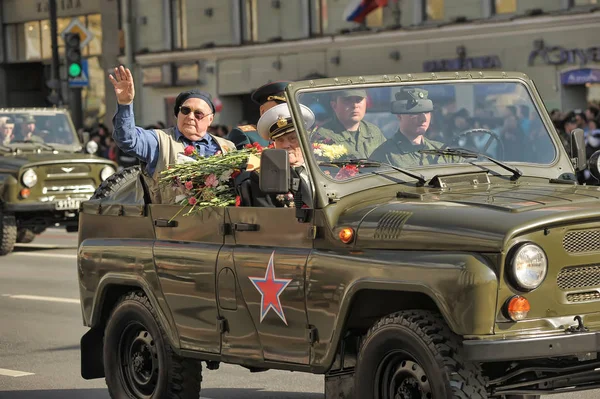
(75, 146)
(330, 187)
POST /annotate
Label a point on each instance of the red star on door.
(270, 288)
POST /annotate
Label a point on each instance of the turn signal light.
(346, 235)
(518, 308)
(25, 193)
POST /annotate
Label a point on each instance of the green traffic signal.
(74, 70)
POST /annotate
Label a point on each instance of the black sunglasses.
(198, 114)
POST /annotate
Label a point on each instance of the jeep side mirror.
(274, 175)
(578, 150)
(594, 164)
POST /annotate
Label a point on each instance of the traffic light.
(73, 55)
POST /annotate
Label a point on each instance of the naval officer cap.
(273, 91)
(277, 121)
(412, 101)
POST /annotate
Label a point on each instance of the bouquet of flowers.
(329, 152)
(203, 182)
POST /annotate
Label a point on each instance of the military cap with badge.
(247, 134)
(412, 101)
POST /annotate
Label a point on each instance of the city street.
(40, 328)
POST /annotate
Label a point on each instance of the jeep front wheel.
(412, 355)
(138, 360)
(25, 236)
(8, 229)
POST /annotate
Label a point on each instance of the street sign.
(84, 79)
(76, 26)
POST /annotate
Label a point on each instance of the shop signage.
(580, 76)
(157, 75)
(61, 5)
(462, 62)
(557, 55)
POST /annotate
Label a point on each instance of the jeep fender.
(120, 284)
(461, 286)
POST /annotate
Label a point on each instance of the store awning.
(580, 76)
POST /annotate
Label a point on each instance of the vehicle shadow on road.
(102, 393)
(252, 393)
(98, 393)
(34, 248)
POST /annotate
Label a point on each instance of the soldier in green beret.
(413, 110)
(347, 127)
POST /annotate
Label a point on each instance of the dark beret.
(185, 95)
(262, 94)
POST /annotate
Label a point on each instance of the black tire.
(138, 360)
(413, 354)
(116, 182)
(8, 227)
(25, 236)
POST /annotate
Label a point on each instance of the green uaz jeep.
(457, 259)
(44, 173)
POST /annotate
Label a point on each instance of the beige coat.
(168, 148)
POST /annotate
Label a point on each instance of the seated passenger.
(266, 96)
(413, 110)
(276, 124)
(347, 127)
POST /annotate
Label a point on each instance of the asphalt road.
(40, 328)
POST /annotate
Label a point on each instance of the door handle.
(165, 223)
(245, 227)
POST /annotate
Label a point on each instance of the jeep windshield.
(394, 124)
(37, 130)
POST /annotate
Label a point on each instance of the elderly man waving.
(157, 149)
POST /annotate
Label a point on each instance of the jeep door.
(185, 255)
(269, 259)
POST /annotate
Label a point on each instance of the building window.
(32, 40)
(504, 6)
(433, 10)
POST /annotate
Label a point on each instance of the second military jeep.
(45, 174)
(460, 266)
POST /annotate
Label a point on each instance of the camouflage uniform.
(360, 144)
(400, 151)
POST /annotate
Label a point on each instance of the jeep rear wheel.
(138, 360)
(25, 236)
(8, 228)
(413, 355)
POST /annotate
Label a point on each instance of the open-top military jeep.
(464, 266)
(45, 174)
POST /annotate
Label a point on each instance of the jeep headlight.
(106, 172)
(529, 266)
(91, 147)
(29, 178)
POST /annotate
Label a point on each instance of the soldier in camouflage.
(413, 109)
(348, 128)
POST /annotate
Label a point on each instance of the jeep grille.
(67, 170)
(578, 277)
(69, 189)
(390, 225)
(582, 241)
(584, 296)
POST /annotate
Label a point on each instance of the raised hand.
(123, 84)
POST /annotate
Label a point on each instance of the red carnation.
(192, 201)
(248, 146)
(238, 200)
(189, 185)
(347, 172)
(189, 150)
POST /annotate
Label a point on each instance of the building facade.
(25, 59)
(231, 47)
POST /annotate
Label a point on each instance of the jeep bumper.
(531, 348)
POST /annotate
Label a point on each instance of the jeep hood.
(474, 219)
(14, 162)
